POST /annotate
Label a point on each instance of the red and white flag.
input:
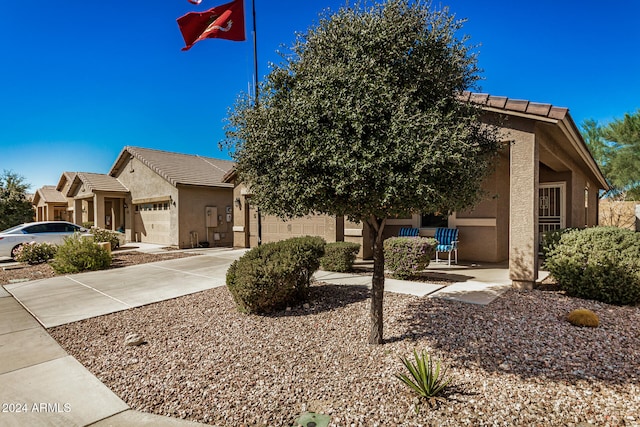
(222, 22)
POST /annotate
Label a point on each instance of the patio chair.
(409, 232)
(447, 242)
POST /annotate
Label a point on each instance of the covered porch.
(100, 200)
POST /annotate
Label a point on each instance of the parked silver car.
(46, 231)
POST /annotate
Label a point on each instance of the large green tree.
(616, 148)
(363, 119)
(15, 208)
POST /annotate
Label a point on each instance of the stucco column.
(523, 212)
(77, 211)
(50, 213)
(98, 210)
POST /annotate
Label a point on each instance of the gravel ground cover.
(44, 271)
(514, 362)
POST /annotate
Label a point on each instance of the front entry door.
(551, 207)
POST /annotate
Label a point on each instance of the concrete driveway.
(65, 299)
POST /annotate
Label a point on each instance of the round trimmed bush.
(78, 254)
(599, 263)
(274, 275)
(339, 256)
(583, 317)
(406, 256)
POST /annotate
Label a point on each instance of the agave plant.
(428, 377)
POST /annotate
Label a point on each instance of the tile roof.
(64, 178)
(49, 194)
(545, 112)
(516, 105)
(101, 182)
(176, 168)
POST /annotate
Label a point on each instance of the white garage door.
(152, 223)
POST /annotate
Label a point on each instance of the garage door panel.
(153, 227)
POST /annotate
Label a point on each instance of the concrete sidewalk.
(65, 299)
(470, 283)
(42, 385)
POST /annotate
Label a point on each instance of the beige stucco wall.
(523, 210)
(191, 205)
(245, 233)
(484, 229)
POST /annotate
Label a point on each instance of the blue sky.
(79, 80)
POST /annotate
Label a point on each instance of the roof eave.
(569, 128)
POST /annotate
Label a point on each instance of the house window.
(434, 220)
(586, 206)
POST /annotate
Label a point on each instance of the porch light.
(238, 203)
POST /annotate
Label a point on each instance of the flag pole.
(256, 94)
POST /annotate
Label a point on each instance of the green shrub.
(78, 254)
(405, 256)
(35, 253)
(550, 239)
(274, 275)
(339, 256)
(87, 224)
(428, 378)
(102, 235)
(600, 263)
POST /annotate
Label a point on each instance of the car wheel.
(14, 251)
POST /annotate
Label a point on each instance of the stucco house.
(154, 196)
(544, 179)
(175, 199)
(50, 204)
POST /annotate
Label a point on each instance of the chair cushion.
(446, 236)
(409, 232)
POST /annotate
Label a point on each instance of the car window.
(9, 230)
(36, 228)
(71, 228)
(56, 227)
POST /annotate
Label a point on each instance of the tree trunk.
(377, 283)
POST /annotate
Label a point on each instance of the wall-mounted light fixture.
(125, 205)
(238, 203)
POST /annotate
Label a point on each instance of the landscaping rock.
(207, 362)
(134, 339)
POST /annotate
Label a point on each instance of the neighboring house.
(97, 198)
(175, 199)
(50, 205)
(544, 179)
(155, 196)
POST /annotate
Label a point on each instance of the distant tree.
(363, 119)
(616, 148)
(15, 208)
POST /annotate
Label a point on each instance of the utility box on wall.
(211, 214)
